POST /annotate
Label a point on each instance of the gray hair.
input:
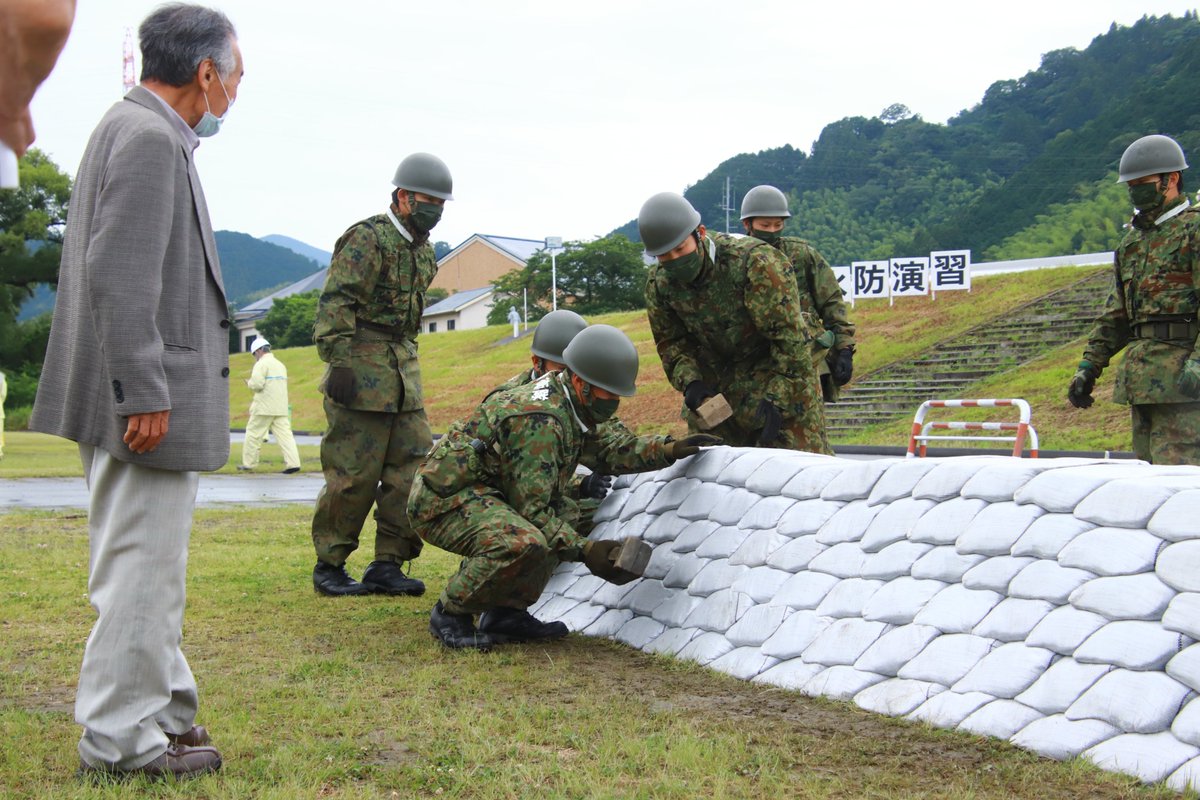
(176, 37)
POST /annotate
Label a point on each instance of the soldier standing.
(495, 491)
(764, 210)
(1151, 310)
(726, 317)
(368, 319)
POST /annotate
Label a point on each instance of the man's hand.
(595, 486)
(145, 431)
(1189, 379)
(32, 34)
(690, 445)
(696, 393)
(842, 368)
(772, 420)
(340, 386)
(1079, 392)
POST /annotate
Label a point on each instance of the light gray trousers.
(135, 683)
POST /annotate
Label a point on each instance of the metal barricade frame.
(919, 437)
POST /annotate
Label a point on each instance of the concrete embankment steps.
(944, 371)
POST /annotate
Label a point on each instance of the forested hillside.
(252, 268)
(1028, 165)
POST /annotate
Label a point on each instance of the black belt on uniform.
(1183, 329)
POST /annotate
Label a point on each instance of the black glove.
(842, 368)
(771, 420)
(696, 393)
(690, 445)
(599, 557)
(1079, 392)
(339, 387)
(595, 486)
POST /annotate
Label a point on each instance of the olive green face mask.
(685, 268)
(770, 237)
(1146, 196)
(424, 216)
(601, 410)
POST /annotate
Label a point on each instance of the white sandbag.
(1013, 619)
(581, 616)
(844, 560)
(1137, 702)
(678, 469)
(719, 611)
(1125, 597)
(757, 548)
(1186, 777)
(849, 523)
(795, 634)
(672, 495)
(806, 589)
(893, 523)
(946, 521)
(857, 480)
(895, 696)
(743, 663)
(792, 674)
(761, 583)
(947, 658)
(844, 641)
(610, 595)
(723, 542)
(1132, 644)
(895, 560)
(766, 513)
(806, 517)
(608, 623)
(1183, 614)
(948, 709)
(1184, 667)
(672, 641)
(899, 480)
(1064, 629)
(557, 608)
(999, 482)
(684, 571)
(1049, 534)
(1006, 671)
(717, 575)
(1178, 565)
(946, 479)
(586, 587)
(662, 558)
(1186, 725)
(664, 529)
(996, 573)
(647, 596)
(700, 503)
(757, 625)
(944, 563)
(709, 464)
(642, 496)
(738, 471)
(1047, 580)
(1130, 503)
(1061, 490)
(733, 506)
(639, 632)
(840, 683)
(894, 649)
(847, 598)
(796, 554)
(997, 528)
(705, 648)
(957, 609)
(1175, 520)
(771, 476)
(1061, 685)
(900, 600)
(1112, 551)
(810, 482)
(675, 610)
(694, 535)
(1061, 738)
(561, 581)
(611, 507)
(1000, 718)
(1150, 757)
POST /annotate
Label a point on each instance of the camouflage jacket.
(1156, 279)
(738, 327)
(369, 313)
(522, 447)
(820, 293)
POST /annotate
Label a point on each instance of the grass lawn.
(312, 697)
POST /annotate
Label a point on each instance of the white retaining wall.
(1051, 602)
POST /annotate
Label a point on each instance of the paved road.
(215, 490)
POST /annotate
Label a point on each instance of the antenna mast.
(127, 72)
(726, 205)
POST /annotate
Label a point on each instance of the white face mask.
(210, 123)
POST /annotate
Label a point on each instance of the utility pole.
(127, 72)
(726, 204)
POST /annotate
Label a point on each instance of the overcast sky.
(557, 118)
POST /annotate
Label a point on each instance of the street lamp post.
(553, 243)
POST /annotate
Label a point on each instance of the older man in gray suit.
(137, 373)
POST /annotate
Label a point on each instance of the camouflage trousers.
(1166, 433)
(368, 457)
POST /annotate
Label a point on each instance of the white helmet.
(258, 342)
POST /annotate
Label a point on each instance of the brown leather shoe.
(196, 737)
(179, 762)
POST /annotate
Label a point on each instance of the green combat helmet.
(425, 173)
(1151, 155)
(666, 219)
(603, 356)
(555, 332)
(764, 201)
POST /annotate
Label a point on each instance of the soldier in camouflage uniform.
(368, 319)
(726, 317)
(764, 210)
(1151, 311)
(495, 490)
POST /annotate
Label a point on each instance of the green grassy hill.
(459, 366)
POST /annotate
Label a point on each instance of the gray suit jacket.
(140, 320)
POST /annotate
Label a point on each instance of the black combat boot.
(457, 631)
(332, 580)
(386, 577)
(517, 625)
